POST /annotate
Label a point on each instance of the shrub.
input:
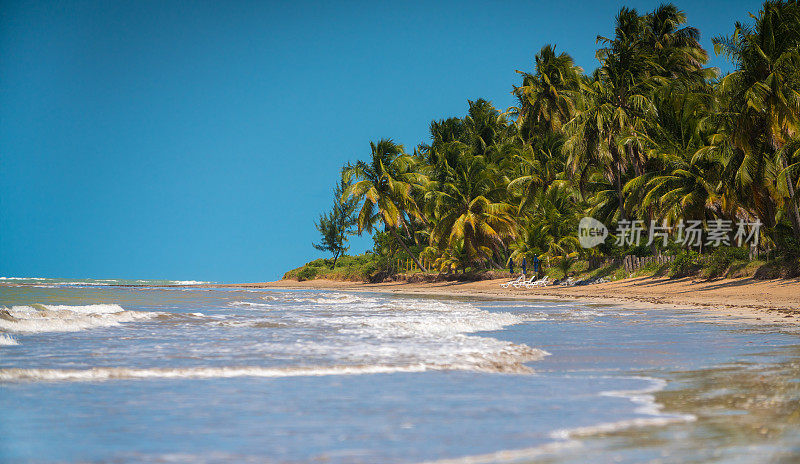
(307, 273)
(685, 264)
(717, 263)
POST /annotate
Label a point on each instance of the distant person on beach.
(524, 266)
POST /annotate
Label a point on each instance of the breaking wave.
(114, 373)
(371, 330)
(63, 318)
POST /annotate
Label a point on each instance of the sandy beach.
(767, 301)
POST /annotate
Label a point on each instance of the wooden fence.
(633, 263)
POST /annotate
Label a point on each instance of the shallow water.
(104, 373)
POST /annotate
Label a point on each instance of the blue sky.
(200, 140)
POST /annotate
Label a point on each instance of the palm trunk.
(634, 159)
(490, 261)
(616, 171)
(620, 196)
(405, 247)
(409, 227)
(794, 214)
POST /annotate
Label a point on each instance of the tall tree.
(547, 98)
(764, 91)
(385, 186)
(466, 214)
(337, 224)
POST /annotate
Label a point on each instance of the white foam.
(82, 283)
(113, 373)
(250, 304)
(64, 318)
(372, 330)
(7, 340)
(187, 282)
(647, 405)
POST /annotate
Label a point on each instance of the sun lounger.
(515, 281)
(539, 283)
(525, 283)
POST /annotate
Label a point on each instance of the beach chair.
(539, 283)
(515, 281)
(525, 283)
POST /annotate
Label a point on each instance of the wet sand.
(767, 301)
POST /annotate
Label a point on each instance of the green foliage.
(652, 269)
(350, 268)
(719, 261)
(307, 273)
(686, 264)
(338, 223)
(652, 134)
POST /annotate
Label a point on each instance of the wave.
(370, 330)
(250, 304)
(124, 373)
(568, 438)
(7, 340)
(332, 329)
(39, 318)
(647, 405)
(121, 373)
(332, 298)
(97, 282)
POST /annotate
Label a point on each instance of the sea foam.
(7, 340)
(371, 330)
(65, 318)
(646, 405)
(114, 373)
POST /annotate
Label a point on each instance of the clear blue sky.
(200, 140)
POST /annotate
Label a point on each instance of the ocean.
(131, 371)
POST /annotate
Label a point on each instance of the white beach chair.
(515, 281)
(525, 283)
(539, 283)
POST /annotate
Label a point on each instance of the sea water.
(96, 371)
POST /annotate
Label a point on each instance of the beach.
(106, 370)
(759, 301)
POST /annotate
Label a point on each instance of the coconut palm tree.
(547, 98)
(676, 47)
(764, 91)
(385, 186)
(466, 211)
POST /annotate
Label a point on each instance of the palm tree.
(466, 213)
(593, 136)
(547, 98)
(535, 166)
(549, 229)
(385, 184)
(764, 91)
(676, 49)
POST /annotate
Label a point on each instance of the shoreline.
(759, 301)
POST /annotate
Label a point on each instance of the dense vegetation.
(652, 134)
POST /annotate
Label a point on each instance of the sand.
(765, 301)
